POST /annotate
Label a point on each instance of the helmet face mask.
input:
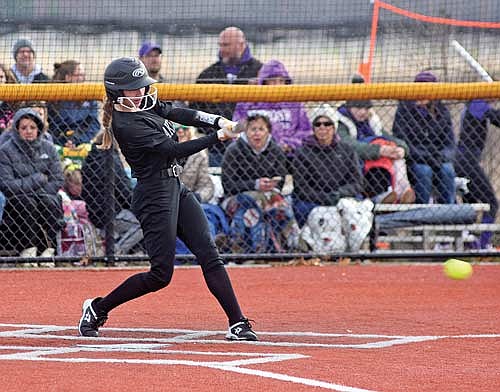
(148, 100)
(129, 73)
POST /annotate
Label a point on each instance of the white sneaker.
(29, 252)
(49, 252)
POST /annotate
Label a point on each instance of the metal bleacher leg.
(426, 239)
(459, 241)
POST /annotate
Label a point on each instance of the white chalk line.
(159, 348)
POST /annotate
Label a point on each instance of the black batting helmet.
(125, 73)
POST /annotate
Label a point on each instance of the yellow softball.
(457, 269)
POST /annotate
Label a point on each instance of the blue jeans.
(261, 225)
(443, 179)
(302, 209)
(248, 229)
(2, 205)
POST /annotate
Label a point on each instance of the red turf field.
(343, 328)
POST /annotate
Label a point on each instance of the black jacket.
(216, 74)
(324, 174)
(241, 166)
(427, 131)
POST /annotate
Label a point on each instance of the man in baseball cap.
(150, 55)
(25, 69)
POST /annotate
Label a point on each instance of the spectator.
(253, 172)
(150, 54)
(426, 128)
(97, 171)
(6, 108)
(73, 183)
(41, 108)
(72, 122)
(290, 124)
(30, 176)
(195, 173)
(382, 155)
(235, 65)
(476, 117)
(325, 169)
(25, 70)
(79, 235)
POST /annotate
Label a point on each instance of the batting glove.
(229, 129)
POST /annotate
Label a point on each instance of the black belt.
(173, 171)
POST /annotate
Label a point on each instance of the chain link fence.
(322, 187)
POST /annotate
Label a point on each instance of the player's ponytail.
(107, 137)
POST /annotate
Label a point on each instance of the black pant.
(480, 188)
(31, 220)
(166, 211)
(166, 208)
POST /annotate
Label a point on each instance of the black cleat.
(90, 322)
(242, 330)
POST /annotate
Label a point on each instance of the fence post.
(110, 206)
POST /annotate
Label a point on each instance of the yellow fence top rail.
(254, 93)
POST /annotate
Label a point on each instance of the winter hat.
(28, 113)
(426, 76)
(356, 78)
(274, 69)
(22, 43)
(324, 110)
(360, 103)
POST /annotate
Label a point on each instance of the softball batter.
(164, 206)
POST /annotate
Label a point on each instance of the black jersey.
(148, 141)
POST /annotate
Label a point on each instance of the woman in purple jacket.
(290, 124)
